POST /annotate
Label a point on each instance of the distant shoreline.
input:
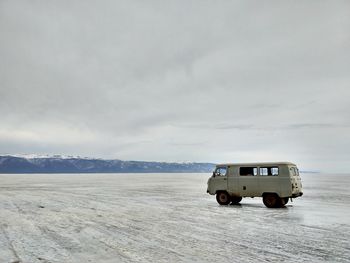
(12, 164)
(69, 165)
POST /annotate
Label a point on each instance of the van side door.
(269, 179)
(220, 178)
(232, 181)
(248, 181)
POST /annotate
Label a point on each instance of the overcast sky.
(209, 81)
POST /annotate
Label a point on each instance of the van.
(274, 182)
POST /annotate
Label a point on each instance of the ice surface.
(166, 218)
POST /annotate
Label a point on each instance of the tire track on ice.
(11, 247)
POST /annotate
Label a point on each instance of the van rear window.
(294, 171)
(268, 171)
(248, 171)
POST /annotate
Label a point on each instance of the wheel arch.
(267, 193)
(220, 191)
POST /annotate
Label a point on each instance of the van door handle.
(225, 179)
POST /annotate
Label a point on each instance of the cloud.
(182, 80)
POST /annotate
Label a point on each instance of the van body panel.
(232, 186)
(217, 183)
(295, 180)
(248, 186)
(269, 184)
(281, 178)
(232, 181)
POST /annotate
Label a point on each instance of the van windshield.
(220, 171)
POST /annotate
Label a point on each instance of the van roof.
(255, 164)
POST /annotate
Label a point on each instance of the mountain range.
(70, 164)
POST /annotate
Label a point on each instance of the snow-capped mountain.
(71, 164)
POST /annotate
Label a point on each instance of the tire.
(223, 198)
(272, 200)
(285, 200)
(236, 199)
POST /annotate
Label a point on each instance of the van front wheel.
(236, 199)
(223, 198)
(271, 200)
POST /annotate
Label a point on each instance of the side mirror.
(213, 174)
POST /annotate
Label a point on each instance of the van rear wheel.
(272, 200)
(223, 198)
(236, 199)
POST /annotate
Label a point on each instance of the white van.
(274, 182)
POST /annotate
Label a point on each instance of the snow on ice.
(166, 218)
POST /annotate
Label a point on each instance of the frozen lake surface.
(166, 218)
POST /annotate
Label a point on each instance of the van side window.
(268, 171)
(221, 171)
(274, 171)
(248, 171)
